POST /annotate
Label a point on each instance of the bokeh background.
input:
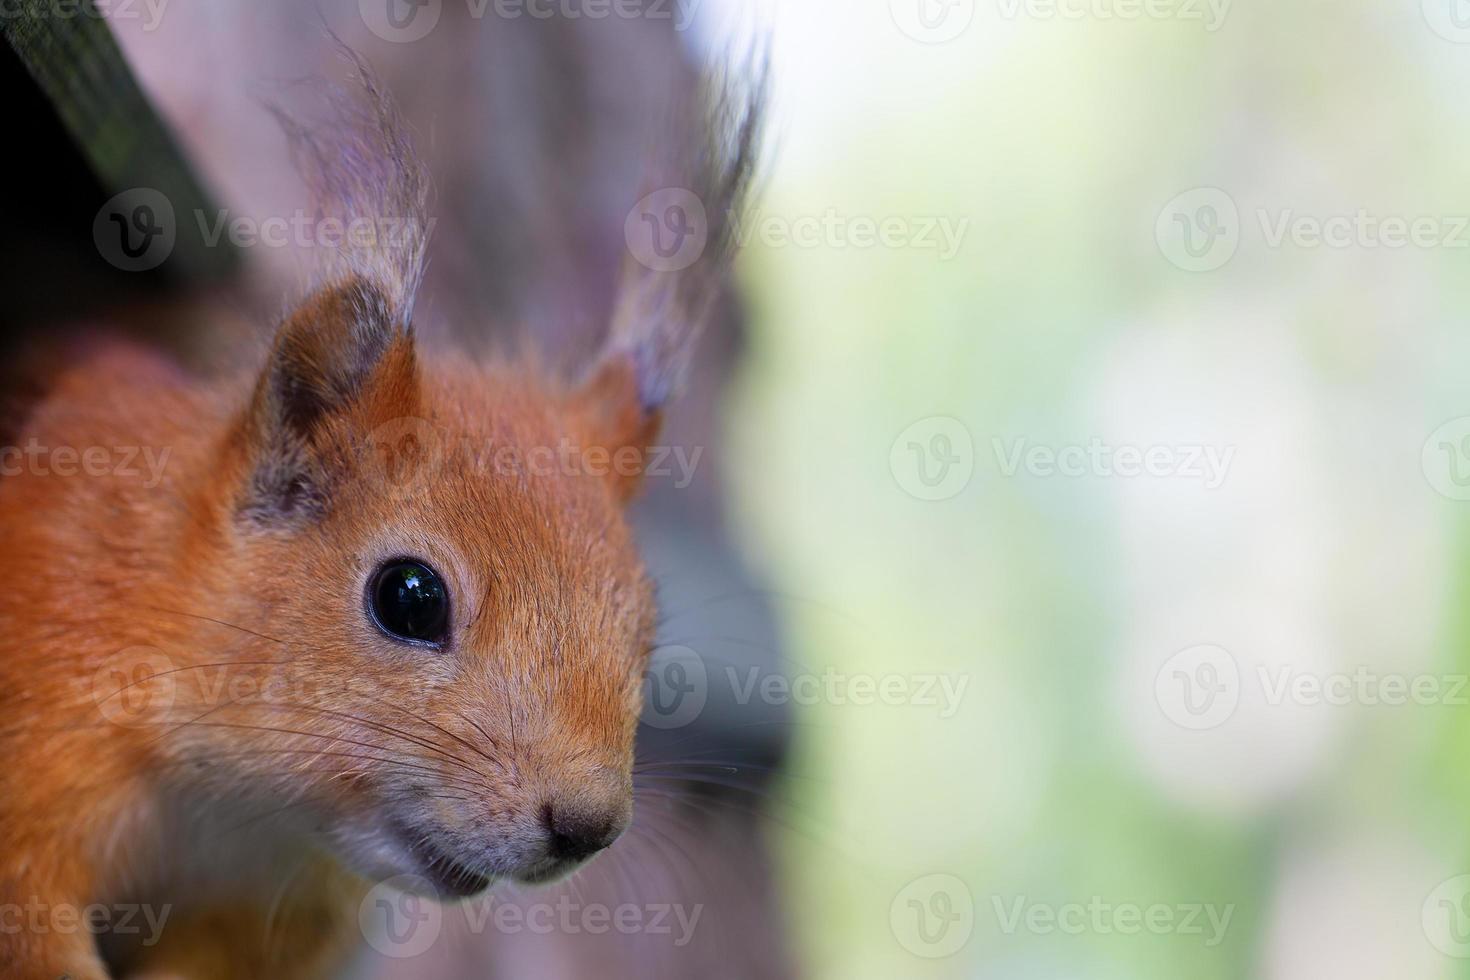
(1099, 444)
(1073, 772)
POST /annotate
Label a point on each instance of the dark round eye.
(409, 601)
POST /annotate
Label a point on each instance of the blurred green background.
(1322, 831)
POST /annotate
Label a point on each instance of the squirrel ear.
(342, 346)
(611, 408)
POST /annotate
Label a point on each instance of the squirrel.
(370, 612)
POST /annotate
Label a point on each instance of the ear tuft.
(359, 163)
(324, 354)
(327, 358)
(659, 314)
(614, 415)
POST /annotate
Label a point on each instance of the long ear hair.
(360, 166)
(350, 341)
(660, 310)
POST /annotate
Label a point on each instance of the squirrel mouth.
(446, 874)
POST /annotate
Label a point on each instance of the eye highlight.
(408, 601)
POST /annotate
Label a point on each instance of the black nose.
(577, 836)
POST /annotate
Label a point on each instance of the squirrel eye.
(409, 602)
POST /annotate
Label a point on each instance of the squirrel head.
(436, 602)
(441, 620)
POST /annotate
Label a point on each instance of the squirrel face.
(440, 617)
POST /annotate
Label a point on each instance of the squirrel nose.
(576, 836)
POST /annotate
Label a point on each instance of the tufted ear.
(617, 421)
(344, 360)
(339, 363)
(660, 311)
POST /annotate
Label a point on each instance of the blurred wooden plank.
(69, 52)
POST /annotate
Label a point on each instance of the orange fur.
(196, 706)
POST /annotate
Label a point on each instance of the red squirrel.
(376, 612)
